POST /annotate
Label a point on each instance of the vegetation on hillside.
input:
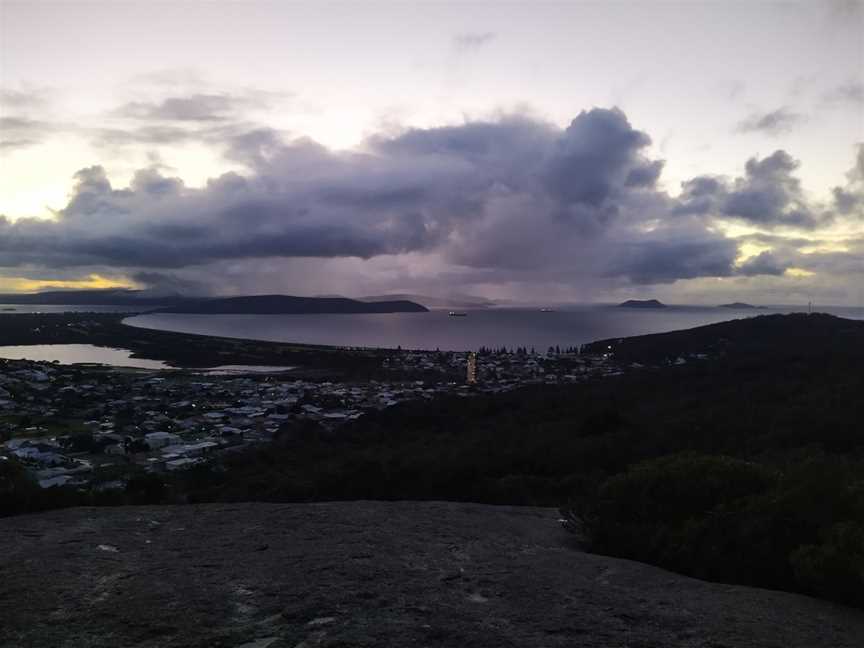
(744, 467)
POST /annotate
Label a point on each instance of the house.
(59, 480)
(196, 449)
(156, 440)
(180, 464)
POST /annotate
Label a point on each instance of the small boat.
(457, 314)
(547, 310)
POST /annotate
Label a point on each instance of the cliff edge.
(366, 574)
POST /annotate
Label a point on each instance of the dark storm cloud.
(849, 262)
(775, 122)
(764, 263)
(665, 257)
(646, 175)
(768, 195)
(515, 197)
(170, 284)
(700, 195)
(849, 200)
(845, 201)
(595, 157)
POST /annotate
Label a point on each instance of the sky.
(543, 152)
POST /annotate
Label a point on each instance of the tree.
(17, 489)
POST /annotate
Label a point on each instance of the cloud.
(22, 99)
(598, 154)
(155, 135)
(468, 41)
(851, 92)
(772, 123)
(768, 195)
(849, 200)
(14, 144)
(764, 263)
(20, 132)
(667, 255)
(516, 200)
(165, 283)
(195, 108)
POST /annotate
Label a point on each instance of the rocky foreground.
(366, 574)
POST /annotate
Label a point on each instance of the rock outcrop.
(366, 574)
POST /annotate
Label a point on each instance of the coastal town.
(91, 427)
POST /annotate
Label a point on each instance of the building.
(471, 378)
(161, 439)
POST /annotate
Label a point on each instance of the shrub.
(731, 520)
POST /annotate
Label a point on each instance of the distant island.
(739, 306)
(288, 305)
(642, 303)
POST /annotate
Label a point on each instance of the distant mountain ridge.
(289, 305)
(248, 304)
(100, 297)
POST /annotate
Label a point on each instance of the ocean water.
(496, 327)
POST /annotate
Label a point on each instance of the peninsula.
(139, 301)
(288, 305)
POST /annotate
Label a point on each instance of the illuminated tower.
(472, 368)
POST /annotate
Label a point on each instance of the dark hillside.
(797, 335)
(743, 467)
(772, 437)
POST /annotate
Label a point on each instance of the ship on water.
(457, 314)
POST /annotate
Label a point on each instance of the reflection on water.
(90, 354)
(78, 353)
(510, 327)
(228, 370)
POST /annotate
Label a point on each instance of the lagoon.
(78, 354)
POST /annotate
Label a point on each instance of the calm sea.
(510, 327)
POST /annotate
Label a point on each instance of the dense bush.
(18, 490)
(731, 520)
(833, 568)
